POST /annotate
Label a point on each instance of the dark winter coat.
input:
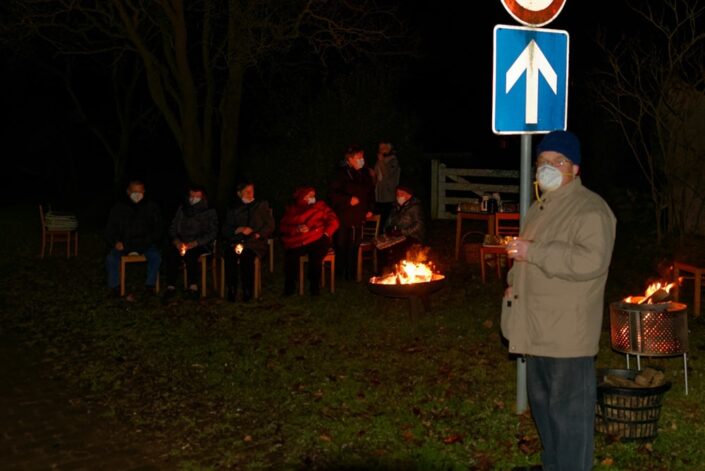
(346, 183)
(195, 222)
(137, 225)
(408, 219)
(319, 217)
(256, 215)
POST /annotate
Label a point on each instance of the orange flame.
(651, 289)
(182, 249)
(414, 269)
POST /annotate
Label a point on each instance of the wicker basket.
(628, 413)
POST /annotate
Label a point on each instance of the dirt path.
(43, 425)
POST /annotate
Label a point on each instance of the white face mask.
(549, 178)
(247, 200)
(358, 163)
(401, 200)
(136, 196)
(194, 200)
(311, 200)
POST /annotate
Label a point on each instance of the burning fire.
(658, 291)
(239, 248)
(408, 272)
(182, 249)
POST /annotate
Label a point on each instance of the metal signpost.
(529, 95)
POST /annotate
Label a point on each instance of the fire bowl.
(410, 290)
(418, 294)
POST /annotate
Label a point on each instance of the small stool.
(330, 258)
(124, 260)
(497, 252)
(697, 278)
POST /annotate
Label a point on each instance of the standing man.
(352, 196)
(552, 311)
(134, 226)
(387, 173)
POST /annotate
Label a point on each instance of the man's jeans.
(562, 394)
(112, 265)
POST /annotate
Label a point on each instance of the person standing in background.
(387, 174)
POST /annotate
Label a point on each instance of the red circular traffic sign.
(534, 12)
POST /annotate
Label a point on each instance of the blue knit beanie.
(564, 142)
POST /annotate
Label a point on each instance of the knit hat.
(406, 189)
(563, 142)
(301, 192)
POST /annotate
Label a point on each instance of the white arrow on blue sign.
(530, 80)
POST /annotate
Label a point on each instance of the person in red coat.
(306, 229)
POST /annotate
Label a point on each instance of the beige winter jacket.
(557, 300)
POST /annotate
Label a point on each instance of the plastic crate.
(628, 413)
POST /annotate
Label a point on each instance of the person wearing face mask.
(406, 219)
(248, 224)
(553, 308)
(191, 233)
(306, 228)
(134, 226)
(352, 195)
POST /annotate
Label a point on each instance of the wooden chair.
(203, 260)
(697, 272)
(124, 260)
(257, 292)
(330, 258)
(63, 228)
(370, 230)
(506, 224)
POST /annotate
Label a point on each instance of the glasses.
(558, 163)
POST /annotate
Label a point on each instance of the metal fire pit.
(653, 330)
(416, 293)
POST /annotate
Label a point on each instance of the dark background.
(443, 88)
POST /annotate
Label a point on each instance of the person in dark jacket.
(406, 219)
(248, 225)
(352, 196)
(191, 234)
(134, 226)
(306, 229)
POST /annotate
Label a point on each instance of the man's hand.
(119, 246)
(354, 201)
(302, 228)
(191, 245)
(508, 292)
(243, 230)
(517, 249)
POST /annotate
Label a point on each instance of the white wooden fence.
(467, 184)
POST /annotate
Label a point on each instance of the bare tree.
(653, 89)
(196, 54)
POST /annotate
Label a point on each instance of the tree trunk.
(230, 113)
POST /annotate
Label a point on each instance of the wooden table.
(459, 226)
(697, 278)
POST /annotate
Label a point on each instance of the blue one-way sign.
(530, 80)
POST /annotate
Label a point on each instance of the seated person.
(406, 219)
(134, 226)
(248, 225)
(192, 232)
(306, 229)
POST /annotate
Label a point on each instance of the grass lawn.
(343, 381)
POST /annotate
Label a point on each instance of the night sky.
(448, 86)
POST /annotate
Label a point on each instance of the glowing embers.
(649, 329)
